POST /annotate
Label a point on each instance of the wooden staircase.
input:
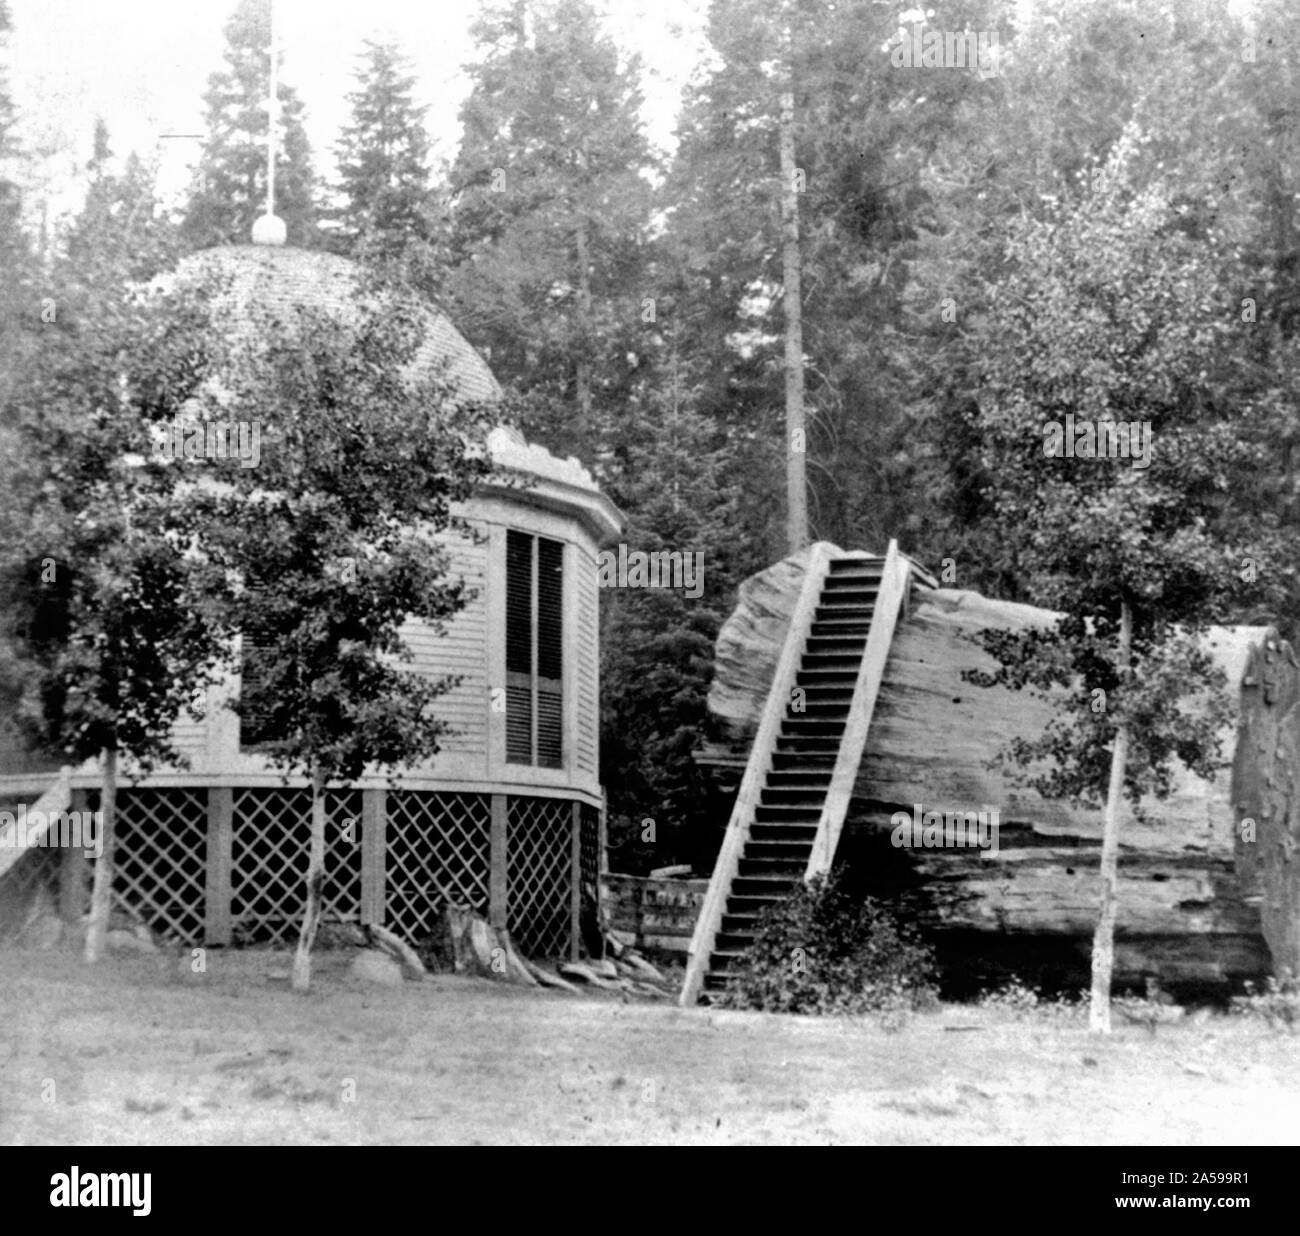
(789, 812)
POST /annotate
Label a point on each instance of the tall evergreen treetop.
(230, 186)
(384, 154)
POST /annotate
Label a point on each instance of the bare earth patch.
(139, 1051)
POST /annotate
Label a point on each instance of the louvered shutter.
(550, 653)
(519, 648)
(255, 724)
(534, 650)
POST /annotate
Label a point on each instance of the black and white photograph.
(650, 573)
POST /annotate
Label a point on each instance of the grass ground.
(139, 1051)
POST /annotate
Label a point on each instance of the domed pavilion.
(506, 818)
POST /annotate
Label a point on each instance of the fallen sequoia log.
(1199, 904)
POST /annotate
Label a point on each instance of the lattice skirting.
(439, 850)
(271, 836)
(539, 840)
(223, 866)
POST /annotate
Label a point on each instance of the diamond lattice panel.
(159, 860)
(271, 849)
(589, 846)
(538, 842)
(439, 850)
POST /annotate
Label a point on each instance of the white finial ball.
(269, 230)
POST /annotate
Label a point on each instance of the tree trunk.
(315, 878)
(796, 443)
(1103, 942)
(101, 897)
(584, 303)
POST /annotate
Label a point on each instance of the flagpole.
(272, 108)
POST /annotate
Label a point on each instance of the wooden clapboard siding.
(586, 672)
(460, 650)
(190, 738)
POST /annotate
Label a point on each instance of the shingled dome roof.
(284, 278)
(279, 280)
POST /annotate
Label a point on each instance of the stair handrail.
(895, 580)
(53, 802)
(709, 921)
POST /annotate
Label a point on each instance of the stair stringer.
(756, 770)
(895, 583)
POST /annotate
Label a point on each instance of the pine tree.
(862, 136)
(15, 253)
(230, 184)
(384, 159)
(551, 212)
(674, 476)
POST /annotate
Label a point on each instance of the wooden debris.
(479, 948)
(576, 969)
(640, 966)
(547, 979)
(397, 948)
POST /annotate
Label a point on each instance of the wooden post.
(374, 855)
(219, 928)
(575, 883)
(497, 886)
(603, 844)
(74, 871)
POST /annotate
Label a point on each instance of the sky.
(143, 66)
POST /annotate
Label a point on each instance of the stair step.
(778, 851)
(833, 645)
(722, 961)
(830, 660)
(750, 904)
(840, 626)
(845, 605)
(796, 796)
(811, 727)
(823, 692)
(787, 815)
(733, 942)
(806, 752)
(825, 677)
(818, 778)
(844, 580)
(791, 756)
(794, 831)
(778, 886)
(790, 863)
(825, 711)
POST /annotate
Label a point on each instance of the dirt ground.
(140, 1051)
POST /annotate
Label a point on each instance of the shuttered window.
(534, 650)
(257, 728)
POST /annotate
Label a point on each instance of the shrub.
(1278, 1004)
(824, 951)
(1019, 1001)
